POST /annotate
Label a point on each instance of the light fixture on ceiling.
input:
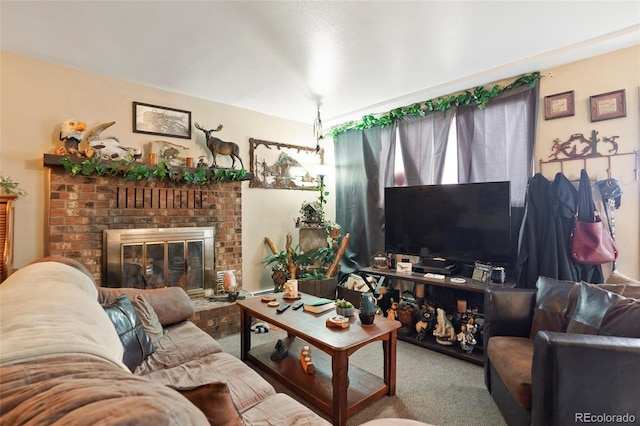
(317, 130)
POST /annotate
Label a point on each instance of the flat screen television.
(461, 223)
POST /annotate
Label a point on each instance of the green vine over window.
(480, 96)
(132, 171)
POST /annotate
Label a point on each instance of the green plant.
(322, 198)
(342, 303)
(313, 211)
(329, 225)
(480, 96)
(279, 264)
(319, 261)
(160, 171)
(8, 186)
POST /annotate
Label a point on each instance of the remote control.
(297, 305)
(283, 307)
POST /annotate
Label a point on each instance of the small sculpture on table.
(444, 332)
(280, 351)
(305, 360)
(291, 289)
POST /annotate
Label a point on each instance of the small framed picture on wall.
(608, 105)
(559, 105)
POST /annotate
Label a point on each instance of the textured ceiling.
(284, 58)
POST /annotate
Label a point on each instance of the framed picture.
(559, 105)
(161, 121)
(608, 105)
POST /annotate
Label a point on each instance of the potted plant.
(345, 308)
(331, 229)
(316, 270)
(9, 187)
(281, 263)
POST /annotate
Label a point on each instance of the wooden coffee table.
(335, 388)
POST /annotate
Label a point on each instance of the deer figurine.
(218, 146)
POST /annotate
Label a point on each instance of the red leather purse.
(591, 243)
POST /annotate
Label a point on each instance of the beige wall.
(38, 96)
(601, 74)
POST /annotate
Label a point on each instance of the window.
(450, 172)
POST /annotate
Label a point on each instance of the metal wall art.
(577, 145)
(278, 165)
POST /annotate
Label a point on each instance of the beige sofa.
(61, 359)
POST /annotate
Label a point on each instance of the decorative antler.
(199, 127)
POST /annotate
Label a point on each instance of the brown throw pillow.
(214, 400)
(148, 318)
(550, 311)
(622, 319)
(135, 341)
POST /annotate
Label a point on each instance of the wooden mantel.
(53, 160)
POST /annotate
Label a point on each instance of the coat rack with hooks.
(585, 159)
(588, 151)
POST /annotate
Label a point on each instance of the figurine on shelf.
(71, 133)
(392, 312)
(220, 147)
(466, 337)
(444, 332)
(280, 351)
(305, 360)
(425, 321)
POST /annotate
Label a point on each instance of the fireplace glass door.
(148, 259)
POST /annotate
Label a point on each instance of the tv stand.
(470, 290)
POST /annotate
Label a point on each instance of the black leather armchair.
(573, 377)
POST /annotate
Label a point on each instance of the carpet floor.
(431, 387)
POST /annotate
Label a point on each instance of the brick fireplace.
(82, 207)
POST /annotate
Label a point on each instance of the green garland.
(134, 172)
(479, 96)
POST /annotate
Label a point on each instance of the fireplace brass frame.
(114, 239)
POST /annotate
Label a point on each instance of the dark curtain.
(496, 143)
(364, 166)
(423, 141)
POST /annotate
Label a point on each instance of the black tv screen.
(458, 222)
